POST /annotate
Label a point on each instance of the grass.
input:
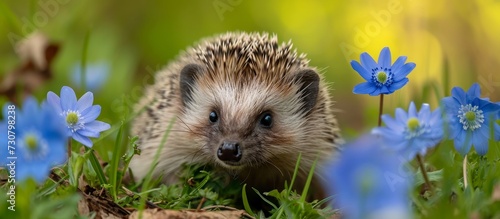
(200, 187)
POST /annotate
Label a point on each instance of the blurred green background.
(136, 38)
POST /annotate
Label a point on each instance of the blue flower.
(40, 141)
(497, 126)
(468, 118)
(414, 132)
(381, 77)
(79, 116)
(95, 76)
(369, 182)
(4, 134)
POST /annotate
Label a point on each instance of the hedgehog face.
(242, 121)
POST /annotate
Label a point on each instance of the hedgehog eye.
(213, 117)
(266, 120)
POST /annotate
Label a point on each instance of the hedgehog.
(243, 104)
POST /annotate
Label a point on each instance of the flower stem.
(83, 61)
(465, 171)
(424, 172)
(381, 107)
(69, 148)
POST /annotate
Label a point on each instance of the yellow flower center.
(365, 180)
(382, 77)
(31, 142)
(471, 116)
(413, 124)
(72, 118)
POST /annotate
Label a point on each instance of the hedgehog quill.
(243, 104)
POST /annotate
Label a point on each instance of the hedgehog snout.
(229, 151)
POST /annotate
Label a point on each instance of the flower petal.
(463, 143)
(41, 173)
(385, 90)
(473, 92)
(480, 142)
(85, 101)
(27, 115)
(486, 106)
(455, 128)
(376, 92)
(88, 133)
(30, 106)
(404, 71)
(367, 61)
(497, 132)
(425, 112)
(68, 98)
(401, 115)
(412, 110)
(82, 139)
(92, 114)
(362, 71)
(451, 105)
(459, 94)
(398, 63)
(398, 85)
(54, 101)
(392, 123)
(97, 126)
(384, 59)
(364, 88)
(58, 151)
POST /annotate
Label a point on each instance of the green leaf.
(296, 170)
(114, 163)
(274, 192)
(434, 176)
(308, 182)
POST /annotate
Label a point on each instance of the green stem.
(83, 63)
(465, 171)
(381, 107)
(424, 172)
(69, 148)
(97, 166)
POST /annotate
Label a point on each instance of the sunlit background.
(453, 44)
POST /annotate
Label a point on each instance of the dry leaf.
(158, 213)
(36, 54)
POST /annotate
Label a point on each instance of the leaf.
(433, 177)
(275, 192)
(36, 53)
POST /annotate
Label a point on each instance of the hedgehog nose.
(229, 151)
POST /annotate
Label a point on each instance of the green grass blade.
(265, 199)
(446, 76)
(295, 172)
(200, 185)
(114, 163)
(96, 166)
(149, 175)
(323, 201)
(11, 18)
(83, 63)
(308, 182)
(246, 205)
(280, 212)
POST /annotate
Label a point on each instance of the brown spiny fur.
(242, 76)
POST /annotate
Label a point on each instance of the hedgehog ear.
(188, 78)
(309, 88)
